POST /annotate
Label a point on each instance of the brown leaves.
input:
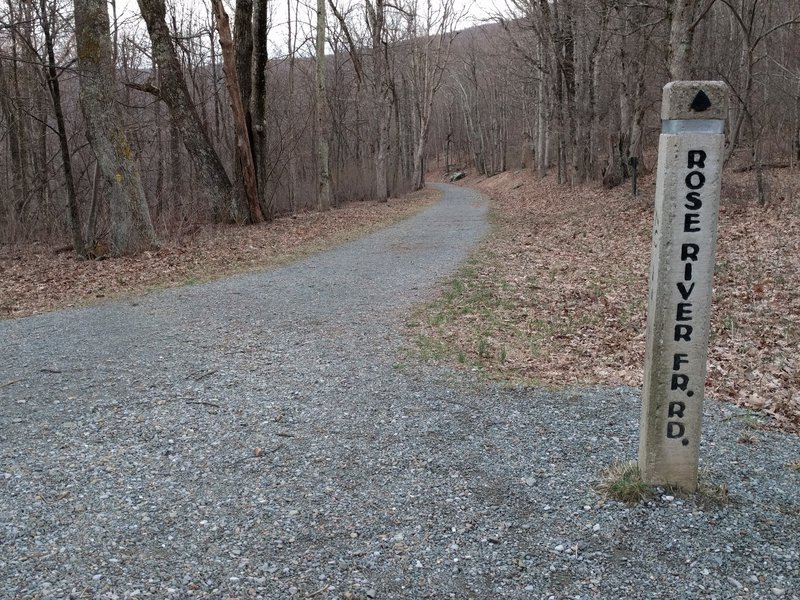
(568, 270)
(33, 279)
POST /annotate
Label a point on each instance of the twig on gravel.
(203, 403)
(319, 591)
(198, 376)
(285, 434)
(10, 382)
(50, 370)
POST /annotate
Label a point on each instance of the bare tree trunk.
(175, 93)
(131, 229)
(17, 128)
(382, 96)
(541, 112)
(639, 107)
(324, 200)
(681, 35)
(384, 110)
(215, 79)
(431, 51)
(617, 169)
(159, 159)
(239, 119)
(66, 159)
(448, 142)
(175, 163)
(418, 181)
(292, 116)
(17, 147)
(243, 49)
(258, 104)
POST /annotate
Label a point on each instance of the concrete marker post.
(690, 155)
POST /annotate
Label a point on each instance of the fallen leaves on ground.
(34, 279)
(558, 294)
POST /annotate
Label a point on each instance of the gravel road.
(265, 436)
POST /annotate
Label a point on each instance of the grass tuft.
(710, 495)
(747, 437)
(623, 482)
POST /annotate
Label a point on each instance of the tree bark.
(430, 53)
(258, 104)
(175, 93)
(291, 111)
(131, 229)
(681, 35)
(243, 50)
(66, 159)
(17, 148)
(237, 107)
(541, 116)
(324, 199)
(382, 96)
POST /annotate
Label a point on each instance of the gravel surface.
(265, 436)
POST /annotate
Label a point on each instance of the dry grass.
(558, 294)
(33, 279)
(623, 482)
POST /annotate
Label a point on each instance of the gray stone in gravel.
(128, 451)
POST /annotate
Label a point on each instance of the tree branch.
(146, 87)
(703, 13)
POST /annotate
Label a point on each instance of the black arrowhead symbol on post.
(700, 102)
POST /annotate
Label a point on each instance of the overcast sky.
(128, 14)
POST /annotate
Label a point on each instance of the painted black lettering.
(683, 332)
(690, 219)
(676, 409)
(687, 273)
(689, 252)
(679, 359)
(697, 158)
(684, 312)
(686, 293)
(679, 382)
(675, 430)
(695, 180)
(693, 201)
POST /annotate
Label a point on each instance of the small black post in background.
(634, 163)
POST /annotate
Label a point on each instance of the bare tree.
(175, 94)
(258, 102)
(66, 158)
(432, 34)
(753, 20)
(382, 92)
(239, 118)
(572, 86)
(324, 196)
(380, 83)
(131, 229)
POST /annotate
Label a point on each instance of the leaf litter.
(36, 279)
(558, 294)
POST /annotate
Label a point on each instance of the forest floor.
(35, 279)
(558, 293)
